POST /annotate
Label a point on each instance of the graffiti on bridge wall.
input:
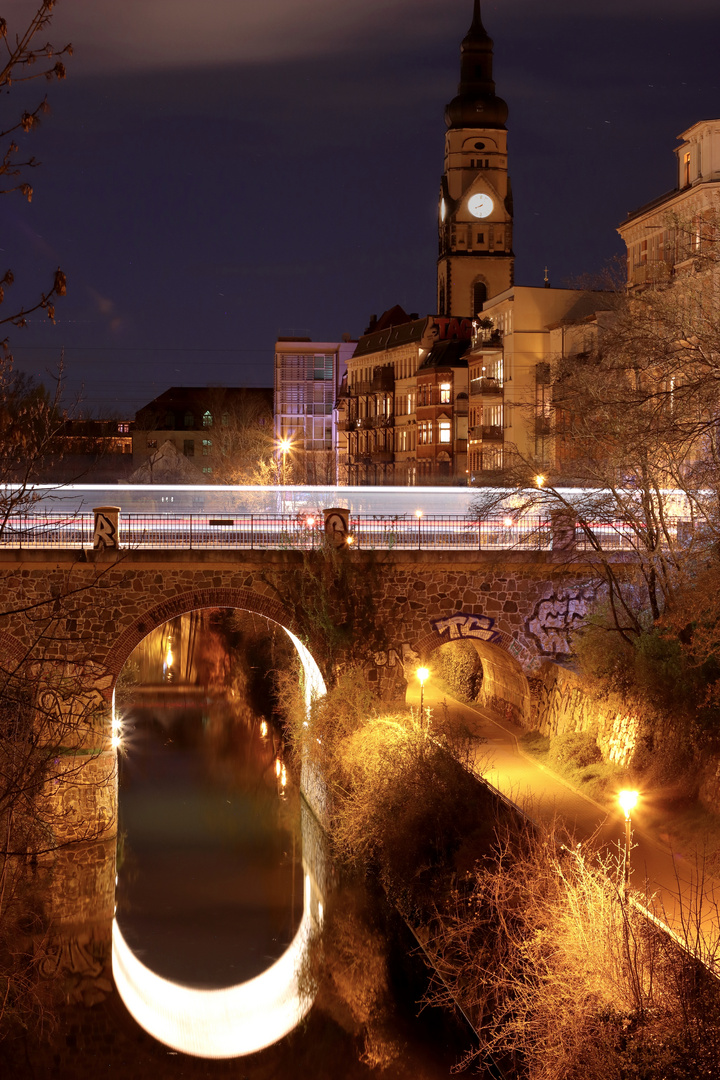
(555, 618)
(465, 625)
(406, 658)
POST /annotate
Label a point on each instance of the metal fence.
(306, 531)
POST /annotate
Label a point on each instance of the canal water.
(237, 950)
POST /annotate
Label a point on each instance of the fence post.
(191, 521)
(252, 533)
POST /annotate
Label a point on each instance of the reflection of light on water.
(229, 1022)
(278, 766)
(263, 728)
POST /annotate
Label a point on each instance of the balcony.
(383, 381)
(649, 272)
(485, 386)
(382, 457)
(491, 433)
(383, 421)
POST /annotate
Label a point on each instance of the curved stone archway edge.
(12, 649)
(194, 600)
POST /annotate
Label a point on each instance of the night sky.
(215, 174)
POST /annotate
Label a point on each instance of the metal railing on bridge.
(306, 531)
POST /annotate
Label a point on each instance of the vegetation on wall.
(563, 979)
(459, 666)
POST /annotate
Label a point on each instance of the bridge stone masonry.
(88, 610)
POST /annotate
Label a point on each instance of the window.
(686, 169)
(207, 447)
(207, 468)
(123, 428)
(323, 368)
(189, 447)
(481, 238)
(151, 444)
(225, 419)
(479, 295)
(207, 419)
(445, 389)
(189, 420)
(169, 421)
(445, 431)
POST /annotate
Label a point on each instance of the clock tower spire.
(475, 260)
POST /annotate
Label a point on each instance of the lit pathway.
(543, 796)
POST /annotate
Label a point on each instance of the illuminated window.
(151, 444)
(445, 389)
(686, 169)
(207, 419)
(123, 428)
(207, 447)
(207, 468)
(445, 431)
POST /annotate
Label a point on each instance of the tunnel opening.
(484, 673)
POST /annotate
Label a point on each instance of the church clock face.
(480, 206)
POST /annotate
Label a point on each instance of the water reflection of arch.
(242, 1019)
(236, 1020)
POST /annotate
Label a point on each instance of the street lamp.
(539, 480)
(422, 674)
(418, 515)
(628, 801)
(284, 447)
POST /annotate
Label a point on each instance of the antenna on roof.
(547, 279)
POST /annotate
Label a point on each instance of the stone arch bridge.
(86, 611)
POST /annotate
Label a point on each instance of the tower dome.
(476, 103)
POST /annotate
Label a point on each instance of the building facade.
(223, 431)
(510, 402)
(406, 382)
(669, 234)
(475, 213)
(308, 375)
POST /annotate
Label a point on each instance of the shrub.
(460, 666)
(576, 749)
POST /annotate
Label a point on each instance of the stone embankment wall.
(565, 705)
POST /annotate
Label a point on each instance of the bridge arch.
(195, 600)
(504, 681)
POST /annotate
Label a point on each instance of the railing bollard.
(105, 534)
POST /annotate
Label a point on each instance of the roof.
(392, 337)
(178, 400)
(446, 354)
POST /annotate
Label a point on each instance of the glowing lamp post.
(284, 447)
(422, 674)
(539, 480)
(628, 801)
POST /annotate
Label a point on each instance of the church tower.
(475, 259)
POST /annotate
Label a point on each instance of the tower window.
(479, 296)
(207, 419)
(479, 145)
(686, 169)
(481, 238)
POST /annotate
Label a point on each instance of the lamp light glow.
(628, 801)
